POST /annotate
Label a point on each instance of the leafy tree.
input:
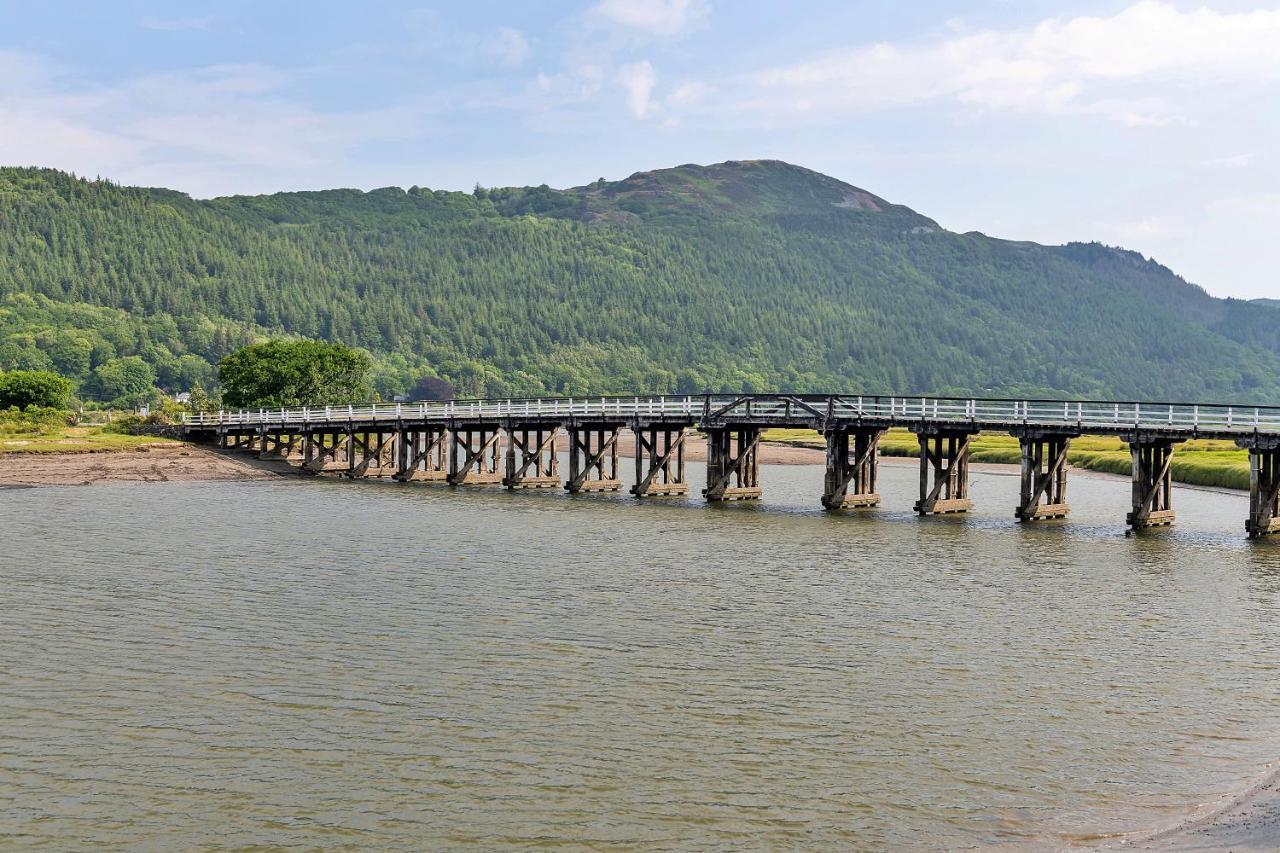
(431, 388)
(23, 388)
(123, 381)
(200, 399)
(294, 373)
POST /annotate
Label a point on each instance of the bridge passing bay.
(512, 442)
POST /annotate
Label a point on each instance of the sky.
(1153, 125)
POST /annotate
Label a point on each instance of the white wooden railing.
(795, 408)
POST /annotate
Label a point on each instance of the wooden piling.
(659, 458)
(1264, 492)
(327, 450)
(422, 453)
(733, 463)
(593, 458)
(1044, 476)
(850, 480)
(531, 461)
(1152, 482)
(944, 472)
(476, 454)
(373, 454)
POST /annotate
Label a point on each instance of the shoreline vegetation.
(55, 431)
(1214, 464)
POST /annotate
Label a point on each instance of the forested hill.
(745, 275)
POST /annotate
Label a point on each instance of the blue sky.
(1152, 124)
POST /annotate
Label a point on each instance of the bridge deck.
(822, 413)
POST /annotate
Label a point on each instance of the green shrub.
(32, 420)
(39, 388)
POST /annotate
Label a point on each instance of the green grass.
(1197, 463)
(73, 439)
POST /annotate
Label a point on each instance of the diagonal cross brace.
(655, 467)
(1045, 479)
(736, 464)
(850, 469)
(434, 439)
(372, 453)
(943, 476)
(595, 460)
(472, 454)
(1150, 489)
(531, 458)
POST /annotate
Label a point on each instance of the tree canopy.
(40, 388)
(122, 382)
(736, 277)
(294, 373)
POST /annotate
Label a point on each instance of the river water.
(326, 663)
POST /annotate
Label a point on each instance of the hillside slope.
(747, 275)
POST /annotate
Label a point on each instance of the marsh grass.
(50, 431)
(1197, 463)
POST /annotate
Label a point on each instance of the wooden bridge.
(513, 442)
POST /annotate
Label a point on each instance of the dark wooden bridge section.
(513, 443)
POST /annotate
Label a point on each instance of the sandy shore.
(1247, 821)
(153, 464)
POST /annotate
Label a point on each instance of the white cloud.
(509, 47)
(690, 94)
(205, 130)
(151, 22)
(1235, 161)
(581, 81)
(1144, 56)
(637, 81)
(654, 17)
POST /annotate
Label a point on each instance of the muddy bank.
(153, 464)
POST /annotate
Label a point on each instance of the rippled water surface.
(384, 665)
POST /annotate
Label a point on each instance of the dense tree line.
(740, 277)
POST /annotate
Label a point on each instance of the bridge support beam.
(531, 457)
(1044, 475)
(1152, 481)
(237, 441)
(852, 467)
(944, 471)
(475, 456)
(326, 451)
(733, 463)
(593, 458)
(278, 445)
(659, 460)
(372, 454)
(1264, 485)
(422, 453)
